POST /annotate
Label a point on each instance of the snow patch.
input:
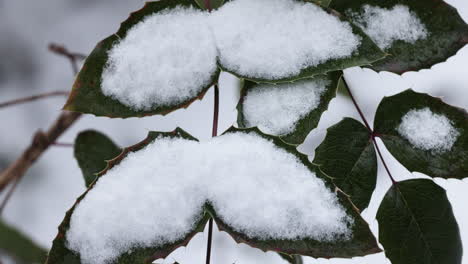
(428, 131)
(155, 195)
(385, 26)
(164, 60)
(276, 109)
(274, 39)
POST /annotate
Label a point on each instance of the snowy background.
(52, 185)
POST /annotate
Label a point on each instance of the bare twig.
(9, 194)
(43, 140)
(72, 56)
(33, 98)
(40, 143)
(60, 144)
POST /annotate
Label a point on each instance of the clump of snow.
(276, 109)
(164, 60)
(428, 131)
(274, 39)
(155, 195)
(385, 26)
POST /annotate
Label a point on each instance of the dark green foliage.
(214, 4)
(304, 125)
(92, 150)
(347, 155)
(449, 164)
(417, 225)
(448, 33)
(20, 247)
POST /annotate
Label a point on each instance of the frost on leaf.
(157, 197)
(428, 131)
(385, 26)
(288, 110)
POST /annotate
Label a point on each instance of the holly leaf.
(417, 225)
(288, 107)
(19, 246)
(347, 155)
(447, 33)
(361, 241)
(87, 96)
(449, 158)
(92, 150)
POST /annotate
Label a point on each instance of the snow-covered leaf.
(416, 33)
(347, 155)
(286, 40)
(18, 246)
(288, 110)
(417, 225)
(92, 150)
(169, 53)
(157, 194)
(424, 134)
(162, 58)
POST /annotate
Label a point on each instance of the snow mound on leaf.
(166, 59)
(276, 109)
(156, 195)
(273, 39)
(385, 26)
(428, 131)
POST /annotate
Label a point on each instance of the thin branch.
(214, 134)
(373, 135)
(40, 143)
(8, 195)
(59, 144)
(43, 140)
(73, 57)
(33, 98)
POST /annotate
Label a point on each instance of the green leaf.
(361, 243)
(92, 150)
(365, 54)
(293, 259)
(86, 95)
(347, 155)
(448, 33)
(214, 4)
(448, 164)
(416, 224)
(18, 246)
(305, 124)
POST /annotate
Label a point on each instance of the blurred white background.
(52, 185)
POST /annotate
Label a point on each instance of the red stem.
(373, 135)
(214, 134)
